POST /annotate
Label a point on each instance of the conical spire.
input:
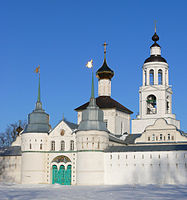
(38, 120)
(92, 117)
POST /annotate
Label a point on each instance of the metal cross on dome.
(105, 44)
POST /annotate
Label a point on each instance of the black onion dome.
(104, 72)
(154, 58)
(155, 37)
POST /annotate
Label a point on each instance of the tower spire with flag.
(37, 70)
(90, 65)
(38, 103)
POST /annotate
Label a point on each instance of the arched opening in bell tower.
(151, 104)
(160, 77)
(151, 77)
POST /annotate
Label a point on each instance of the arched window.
(145, 74)
(151, 104)
(160, 77)
(53, 145)
(71, 145)
(151, 77)
(62, 144)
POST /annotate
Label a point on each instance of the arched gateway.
(61, 170)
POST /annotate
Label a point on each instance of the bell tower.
(155, 94)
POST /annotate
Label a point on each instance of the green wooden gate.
(61, 176)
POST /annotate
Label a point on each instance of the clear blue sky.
(62, 36)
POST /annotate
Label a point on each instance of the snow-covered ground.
(57, 192)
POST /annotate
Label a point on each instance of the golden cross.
(105, 44)
(155, 26)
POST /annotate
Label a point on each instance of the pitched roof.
(106, 102)
(141, 148)
(11, 151)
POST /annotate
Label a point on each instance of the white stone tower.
(33, 145)
(92, 139)
(155, 94)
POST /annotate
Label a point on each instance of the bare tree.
(11, 132)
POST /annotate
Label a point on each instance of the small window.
(134, 156)
(72, 145)
(52, 145)
(30, 146)
(156, 138)
(40, 146)
(159, 156)
(153, 137)
(126, 156)
(110, 156)
(106, 123)
(160, 136)
(62, 145)
(150, 156)
(142, 156)
(148, 138)
(118, 157)
(168, 136)
(172, 137)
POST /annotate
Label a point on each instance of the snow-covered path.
(58, 192)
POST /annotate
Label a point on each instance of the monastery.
(100, 149)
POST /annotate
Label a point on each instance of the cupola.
(104, 72)
(155, 51)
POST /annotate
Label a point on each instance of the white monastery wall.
(10, 169)
(162, 167)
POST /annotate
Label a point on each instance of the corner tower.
(33, 144)
(92, 139)
(155, 94)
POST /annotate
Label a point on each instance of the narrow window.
(126, 156)
(148, 138)
(40, 146)
(159, 156)
(160, 77)
(62, 145)
(110, 156)
(153, 137)
(145, 77)
(30, 146)
(160, 136)
(142, 156)
(172, 137)
(52, 145)
(150, 156)
(106, 123)
(156, 138)
(118, 157)
(168, 136)
(72, 145)
(151, 76)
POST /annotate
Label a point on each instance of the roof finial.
(38, 103)
(155, 26)
(105, 44)
(63, 117)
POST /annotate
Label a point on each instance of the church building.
(100, 149)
